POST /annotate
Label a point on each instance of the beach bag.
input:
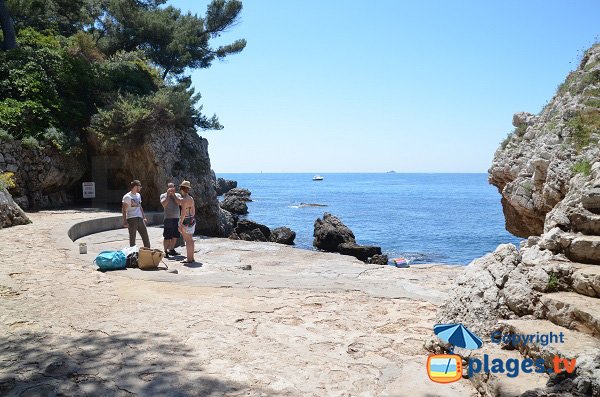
(149, 259)
(110, 260)
(180, 242)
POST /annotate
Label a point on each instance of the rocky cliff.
(43, 175)
(534, 166)
(170, 155)
(46, 177)
(548, 172)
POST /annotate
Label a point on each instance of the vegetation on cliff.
(105, 70)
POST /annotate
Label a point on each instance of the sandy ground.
(300, 323)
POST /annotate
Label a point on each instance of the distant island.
(391, 172)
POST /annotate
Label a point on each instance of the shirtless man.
(187, 221)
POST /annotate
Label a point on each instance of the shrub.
(582, 167)
(582, 125)
(5, 136)
(552, 283)
(30, 142)
(7, 181)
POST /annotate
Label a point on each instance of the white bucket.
(82, 248)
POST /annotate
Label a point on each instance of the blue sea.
(441, 218)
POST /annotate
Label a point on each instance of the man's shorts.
(171, 229)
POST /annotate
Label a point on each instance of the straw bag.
(149, 259)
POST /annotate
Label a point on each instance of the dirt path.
(214, 330)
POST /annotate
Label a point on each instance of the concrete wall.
(92, 226)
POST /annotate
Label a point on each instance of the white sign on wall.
(89, 189)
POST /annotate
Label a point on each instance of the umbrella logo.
(447, 368)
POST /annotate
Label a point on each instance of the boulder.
(584, 249)
(477, 300)
(224, 185)
(362, 252)
(330, 232)
(242, 194)
(379, 260)
(250, 231)
(283, 235)
(591, 200)
(234, 204)
(10, 213)
(227, 223)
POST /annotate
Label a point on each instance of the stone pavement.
(300, 323)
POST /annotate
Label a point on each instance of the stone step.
(573, 311)
(584, 249)
(575, 345)
(499, 384)
(586, 280)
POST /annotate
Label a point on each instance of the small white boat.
(317, 178)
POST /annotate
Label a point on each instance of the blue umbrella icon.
(458, 335)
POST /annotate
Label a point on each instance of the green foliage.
(7, 180)
(30, 143)
(5, 136)
(172, 40)
(100, 67)
(582, 167)
(582, 125)
(553, 283)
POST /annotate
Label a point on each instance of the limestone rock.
(283, 235)
(584, 249)
(330, 232)
(476, 300)
(586, 281)
(10, 212)
(224, 185)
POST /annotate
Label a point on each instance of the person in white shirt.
(133, 214)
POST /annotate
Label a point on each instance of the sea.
(426, 218)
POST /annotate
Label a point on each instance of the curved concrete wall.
(92, 226)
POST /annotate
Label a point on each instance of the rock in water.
(10, 212)
(362, 252)
(235, 205)
(250, 231)
(242, 194)
(224, 186)
(330, 232)
(283, 235)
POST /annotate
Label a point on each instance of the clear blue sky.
(421, 86)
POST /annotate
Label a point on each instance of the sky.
(372, 86)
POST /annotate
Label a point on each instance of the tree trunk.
(8, 28)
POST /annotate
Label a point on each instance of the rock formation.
(330, 234)
(169, 155)
(251, 231)
(224, 185)
(548, 172)
(44, 176)
(234, 204)
(242, 194)
(283, 235)
(10, 212)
